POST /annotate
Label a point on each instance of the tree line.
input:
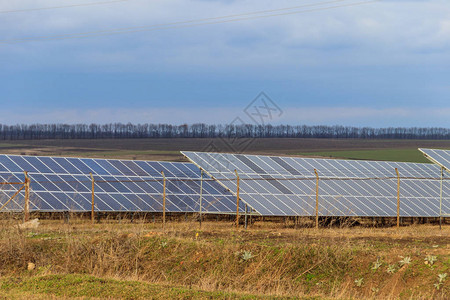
(200, 130)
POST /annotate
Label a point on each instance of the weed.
(359, 282)
(391, 269)
(441, 280)
(405, 261)
(246, 255)
(377, 264)
(430, 260)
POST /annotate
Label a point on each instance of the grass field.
(405, 155)
(168, 149)
(267, 261)
(86, 286)
(124, 260)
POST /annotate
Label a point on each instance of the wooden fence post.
(92, 199)
(398, 197)
(440, 198)
(26, 207)
(164, 201)
(201, 196)
(237, 199)
(246, 216)
(317, 199)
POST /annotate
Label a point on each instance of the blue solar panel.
(64, 184)
(286, 186)
(438, 156)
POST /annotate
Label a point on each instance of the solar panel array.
(64, 184)
(285, 186)
(439, 157)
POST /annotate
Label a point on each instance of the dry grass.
(283, 262)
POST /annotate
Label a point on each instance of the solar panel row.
(285, 186)
(278, 186)
(64, 184)
(439, 157)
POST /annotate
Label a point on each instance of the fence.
(24, 185)
(321, 188)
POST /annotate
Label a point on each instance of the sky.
(349, 62)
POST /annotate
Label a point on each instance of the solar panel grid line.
(418, 196)
(286, 204)
(268, 163)
(438, 156)
(133, 193)
(212, 204)
(225, 179)
(403, 190)
(429, 167)
(53, 172)
(123, 193)
(126, 192)
(56, 187)
(349, 186)
(73, 205)
(265, 207)
(442, 159)
(52, 165)
(319, 203)
(404, 203)
(378, 184)
(330, 203)
(185, 204)
(416, 187)
(170, 202)
(360, 194)
(12, 198)
(38, 195)
(16, 202)
(287, 208)
(233, 191)
(335, 160)
(342, 195)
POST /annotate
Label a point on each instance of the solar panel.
(64, 184)
(438, 156)
(286, 186)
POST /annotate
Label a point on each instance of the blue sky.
(381, 64)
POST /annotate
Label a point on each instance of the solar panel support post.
(440, 198)
(317, 199)
(26, 207)
(237, 199)
(398, 197)
(92, 198)
(246, 216)
(201, 196)
(164, 201)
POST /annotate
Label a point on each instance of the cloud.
(381, 33)
(376, 64)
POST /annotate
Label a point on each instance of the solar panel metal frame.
(441, 158)
(58, 181)
(438, 156)
(358, 195)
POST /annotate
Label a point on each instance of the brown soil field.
(168, 149)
